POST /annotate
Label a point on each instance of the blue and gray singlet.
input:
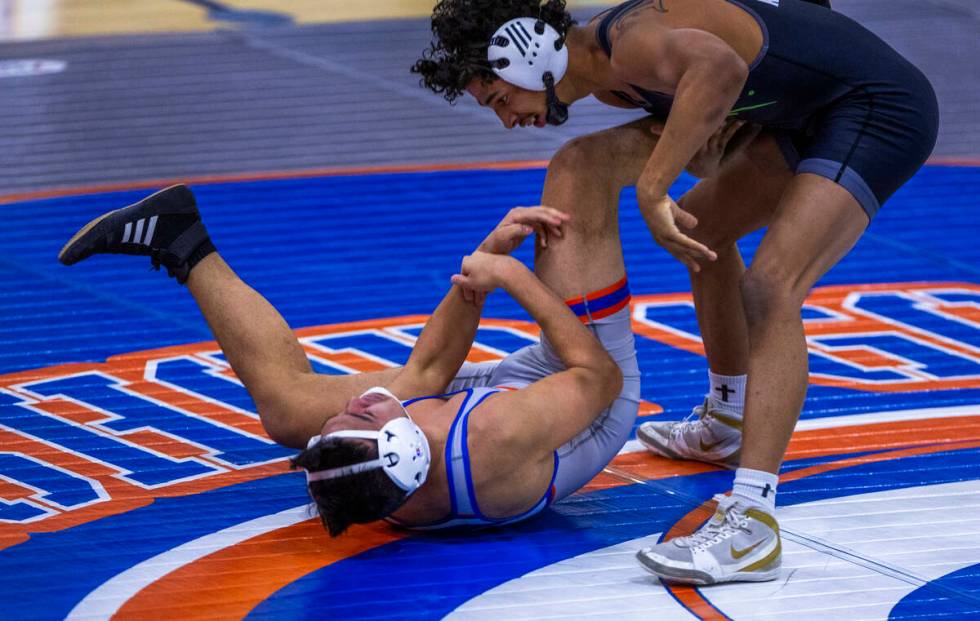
(606, 313)
(465, 511)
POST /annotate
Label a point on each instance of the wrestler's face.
(514, 106)
(369, 412)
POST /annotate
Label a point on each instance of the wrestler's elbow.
(717, 79)
(728, 72)
(609, 379)
(284, 419)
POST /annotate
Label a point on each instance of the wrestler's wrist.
(652, 185)
(509, 272)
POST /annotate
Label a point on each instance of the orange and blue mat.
(136, 481)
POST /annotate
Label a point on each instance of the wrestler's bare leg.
(584, 179)
(816, 223)
(292, 400)
(739, 200)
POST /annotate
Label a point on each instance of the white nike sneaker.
(705, 435)
(740, 543)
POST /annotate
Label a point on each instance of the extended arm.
(441, 348)
(448, 335)
(553, 410)
(707, 76)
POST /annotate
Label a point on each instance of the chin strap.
(557, 110)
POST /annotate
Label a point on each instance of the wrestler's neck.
(431, 502)
(434, 416)
(588, 67)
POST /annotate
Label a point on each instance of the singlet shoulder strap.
(461, 492)
(602, 30)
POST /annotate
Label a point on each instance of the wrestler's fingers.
(743, 138)
(460, 281)
(542, 236)
(731, 129)
(697, 249)
(685, 218)
(690, 246)
(538, 213)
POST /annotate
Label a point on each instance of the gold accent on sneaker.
(763, 517)
(708, 447)
(772, 556)
(724, 419)
(737, 554)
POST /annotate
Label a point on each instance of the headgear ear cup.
(403, 450)
(524, 49)
(529, 53)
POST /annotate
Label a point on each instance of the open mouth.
(532, 120)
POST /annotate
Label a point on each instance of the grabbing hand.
(662, 216)
(729, 138)
(481, 273)
(521, 222)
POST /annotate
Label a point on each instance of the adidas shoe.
(740, 543)
(705, 435)
(165, 226)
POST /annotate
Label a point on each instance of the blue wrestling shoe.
(165, 226)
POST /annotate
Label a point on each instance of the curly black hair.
(353, 499)
(462, 30)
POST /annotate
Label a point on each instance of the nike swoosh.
(737, 554)
(735, 111)
(708, 447)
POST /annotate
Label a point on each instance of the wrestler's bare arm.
(300, 401)
(706, 76)
(448, 335)
(540, 418)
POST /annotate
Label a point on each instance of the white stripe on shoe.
(149, 231)
(139, 231)
(127, 232)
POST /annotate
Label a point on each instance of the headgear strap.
(403, 451)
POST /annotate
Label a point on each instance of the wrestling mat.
(136, 481)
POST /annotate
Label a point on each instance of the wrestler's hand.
(521, 222)
(482, 272)
(663, 216)
(729, 138)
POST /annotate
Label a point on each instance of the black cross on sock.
(725, 390)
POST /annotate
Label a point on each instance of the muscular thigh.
(742, 197)
(584, 179)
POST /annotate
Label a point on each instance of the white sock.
(727, 393)
(756, 487)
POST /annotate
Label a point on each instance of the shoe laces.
(691, 422)
(716, 531)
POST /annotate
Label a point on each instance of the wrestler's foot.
(165, 226)
(706, 435)
(740, 543)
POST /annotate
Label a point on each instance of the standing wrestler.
(847, 121)
(462, 444)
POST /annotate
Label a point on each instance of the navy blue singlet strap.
(602, 30)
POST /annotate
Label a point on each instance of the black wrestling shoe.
(165, 226)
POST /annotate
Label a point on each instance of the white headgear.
(403, 451)
(524, 49)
